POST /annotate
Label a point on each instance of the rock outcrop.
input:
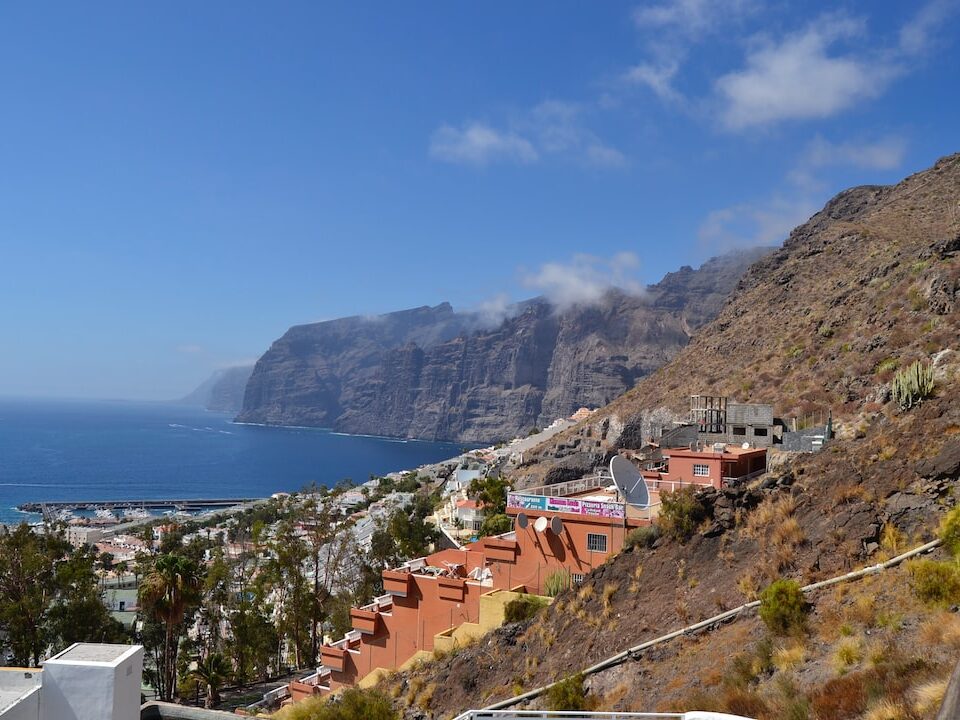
(433, 373)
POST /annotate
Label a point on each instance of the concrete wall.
(23, 684)
(92, 690)
(26, 708)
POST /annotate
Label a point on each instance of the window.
(596, 542)
(577, 578)
(737, 430)
(701, 470)
(760, 432)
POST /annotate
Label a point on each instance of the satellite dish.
(629, 481)
(540, 525)
(556, 525)
(522, 521)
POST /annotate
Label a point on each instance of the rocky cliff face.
(222, 391)
(435, 374)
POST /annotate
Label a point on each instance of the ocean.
(102, 450)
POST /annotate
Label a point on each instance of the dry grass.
(772, 511)
(886, 710)
(942, 629)
(863, 610)
(606, 598)
(788, 657)
(849, 653)
(929, 696)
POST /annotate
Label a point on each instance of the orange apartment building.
(433, 602)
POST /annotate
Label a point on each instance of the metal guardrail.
(570, 487)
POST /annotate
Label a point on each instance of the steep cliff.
(222, 391)
(436, 374)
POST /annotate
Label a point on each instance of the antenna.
(540, 524)
(556, 525)
(629, 481)
(522, 521)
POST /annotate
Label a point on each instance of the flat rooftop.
(92, 652)
(16, 683)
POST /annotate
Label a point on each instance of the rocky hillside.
(867, 285)
(222, 391)
(433, 373)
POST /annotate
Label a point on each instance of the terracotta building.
(454, 595)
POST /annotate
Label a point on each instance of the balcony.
(451, 588)
(333, 657)
(365, 621)
(396, 582)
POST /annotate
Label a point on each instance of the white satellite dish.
(540, 524)
(556, 525)
(629, 481)
(522, 521)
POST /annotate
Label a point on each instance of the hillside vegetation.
(857, 294)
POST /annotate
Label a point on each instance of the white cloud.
(585, 279)
(802, 77)
(658, 78)
(189, 349)
(479, 144)
(753, 224)
(690, 17)
(769, 221)
(884, 154)
(552, 128)
(916, 35)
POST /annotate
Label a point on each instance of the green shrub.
(783, 608)
(950, 531)
(557, 582)
(523, 608)
(912, 385)
(568, 694)
(681, 512)
(935, 583)
(643, 537)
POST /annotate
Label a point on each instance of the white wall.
(26, 708)
(78, 690)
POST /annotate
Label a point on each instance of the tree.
(78, 613)
(284, 581)
(169, 589)
(492, 492)
(213, 673)
(27, 589)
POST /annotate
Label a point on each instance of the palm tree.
(168, 589)
(214, 672)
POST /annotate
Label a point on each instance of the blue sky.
(183, 181)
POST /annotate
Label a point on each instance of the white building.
(87, 681)
(78, 535)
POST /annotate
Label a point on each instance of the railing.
(276, 694)
(671, 485)
(743, 478)
(571, 487)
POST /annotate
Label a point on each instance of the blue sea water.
(87, 450)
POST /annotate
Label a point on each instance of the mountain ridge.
(432, 373)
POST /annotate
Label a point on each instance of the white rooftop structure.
(87, 681)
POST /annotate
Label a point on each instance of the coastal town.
(445, 553)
